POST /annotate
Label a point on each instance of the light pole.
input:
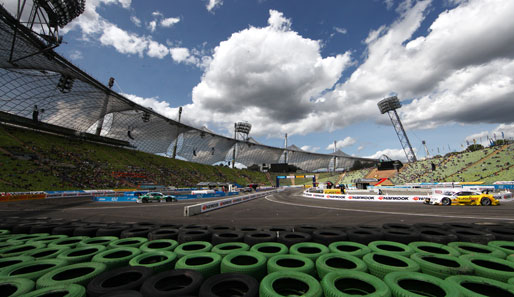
(176, 134)
(243, 128)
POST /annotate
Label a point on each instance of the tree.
(474, 147)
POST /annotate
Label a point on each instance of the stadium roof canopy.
(32, 74)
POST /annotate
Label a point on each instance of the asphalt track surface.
(287, 208)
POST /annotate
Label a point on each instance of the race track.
(287, 208)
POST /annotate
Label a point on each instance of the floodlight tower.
(390, 105)
(241, 131)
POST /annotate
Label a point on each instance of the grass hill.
(35, 161)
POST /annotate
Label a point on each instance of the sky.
(312, 69)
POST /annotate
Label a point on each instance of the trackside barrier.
(6, 197)
(131, 197)
(200, 208)
(376, 198)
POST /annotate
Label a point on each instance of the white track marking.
(388, 212)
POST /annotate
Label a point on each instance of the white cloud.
(341, 30)
(277, 21)
(348, 141)
(394, 154)
(168, 22)
(360, 148)
(212, 4)
(152, 25)
(124, 42)
(496, 133)
(161, 107)
(157, 13)
(157, 50)
(76, 55)
(135, 20)
(309, 148)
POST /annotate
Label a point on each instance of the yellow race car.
(463, 198)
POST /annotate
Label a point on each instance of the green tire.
(226, 248)
(270, 249)
(5, 244)
(510, 258)
(425, 247)
(192, 247)
(337, 261)
(9, 261)
(381, 263)
(79, 274)
(27, 237)
(391, 247)
(415, 284)
(4, 232)
(134, 242)
(250, 263)
(63, 291)
(70, 242)
(289, 283)
(441, 266)
(165, 245)
(15, 286)
(47, 239)
(294, 263)
(116, 257)
(18, 250)
(207, 263)
(32, 269)
(490, 267)
(347, 283)
(158, 260)
(511, 281)
(469, 248)
(477, 286)
(349, 248)
(81, 254)
(505, 246)
(311, 250)
(99, 240)
(46, 253)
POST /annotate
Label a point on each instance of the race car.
(155, 197)
(462, 198)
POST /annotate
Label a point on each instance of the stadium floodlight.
(61, 12)
(390, 105)
(243, 127)
(241, 131)
(65, 83)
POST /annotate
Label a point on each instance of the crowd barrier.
(131, 197)
(200, 208)
(376, 198)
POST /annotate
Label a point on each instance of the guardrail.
(200, 208)
(376, 198)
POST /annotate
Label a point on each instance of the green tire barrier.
(26, 237)
(425, 247)
(381, 263)
(116, 257)
(476, 286)
(32, 269)
(9, 261)
(349, 248)
(511, 281)
(70, 242)
(226, 248)
(47, 239)
(270, 249)
(79, 274)
(158, 260)
(505, 246)
(46, 253)
(191, 247)
(5, 244)
(15, 286)
(61, 291)
(311, 250)
(510, 258)
(347, 283)
(414, 284)
(391, 247)
(289, 283)
(4, 232)
(490, 267)
(250, 263)
(466, 248)
(99, 240)
(81, 254)
(168, 245)
(441, 266)
(207, 263)
(134, 242)
(336, 261)
(293, 263)
(18, 250)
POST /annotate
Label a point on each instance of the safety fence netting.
(33, 78)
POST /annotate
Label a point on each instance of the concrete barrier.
(376, 198)
(204, 207)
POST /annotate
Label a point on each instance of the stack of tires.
(45, 257)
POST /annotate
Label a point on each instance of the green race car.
(155, 197)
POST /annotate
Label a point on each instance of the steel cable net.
(31, 75)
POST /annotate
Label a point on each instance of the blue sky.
(312, 69)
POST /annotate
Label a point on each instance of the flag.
(474, 141)
(503, 135)
(494, 134)
(467, 141)
(438, 150)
